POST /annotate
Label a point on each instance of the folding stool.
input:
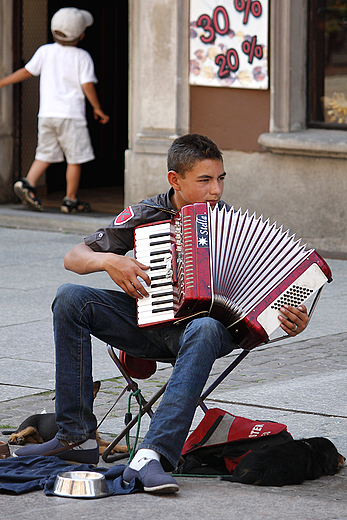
(137, 368)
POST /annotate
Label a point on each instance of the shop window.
(327, 64)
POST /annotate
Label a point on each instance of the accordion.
(232, 266)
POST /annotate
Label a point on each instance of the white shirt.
(63, 70)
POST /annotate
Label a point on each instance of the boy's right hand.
(16, 77)
(124, 271)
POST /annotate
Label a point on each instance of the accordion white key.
(232, 266)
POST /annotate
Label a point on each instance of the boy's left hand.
(100, 114)
(295, 320)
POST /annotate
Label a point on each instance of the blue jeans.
(79, 312)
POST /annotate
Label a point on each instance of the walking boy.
(66, 77)
(196, 174)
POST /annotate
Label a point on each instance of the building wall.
(6, 119)
(275, 166)
(304, 194)
(232, 117)
(34, 34)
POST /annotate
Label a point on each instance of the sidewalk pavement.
(299, 382)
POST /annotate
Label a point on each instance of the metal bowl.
(81, 484)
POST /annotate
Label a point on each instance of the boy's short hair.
(69, 23)
(186, 150)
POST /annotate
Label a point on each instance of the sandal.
(27, 194)
(74, 206)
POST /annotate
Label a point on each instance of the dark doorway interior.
(107, 42)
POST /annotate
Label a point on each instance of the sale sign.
(229, 43)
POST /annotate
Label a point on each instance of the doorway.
(107, 42)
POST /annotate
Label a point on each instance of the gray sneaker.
(152, 477)
(27, 194)
(74, 454)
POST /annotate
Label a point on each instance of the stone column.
(288, 32)
(158, 91)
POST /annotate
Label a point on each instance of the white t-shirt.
(63, 70)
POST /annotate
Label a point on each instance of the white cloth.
(63, 69)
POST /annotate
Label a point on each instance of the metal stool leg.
(146, 406)
(145, 409)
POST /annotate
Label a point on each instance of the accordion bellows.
(256, 255)
(227, 264)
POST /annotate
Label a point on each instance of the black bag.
(221, 439)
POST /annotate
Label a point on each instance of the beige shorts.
(60, 139)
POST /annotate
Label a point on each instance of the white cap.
(71, 22)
